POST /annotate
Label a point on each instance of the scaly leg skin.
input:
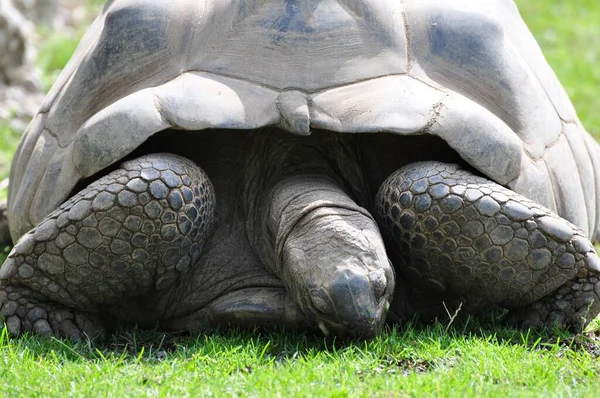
(122, 240)
(464, 238)
(329, 253)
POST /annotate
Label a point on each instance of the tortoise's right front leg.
(127, 236)
(462, 239)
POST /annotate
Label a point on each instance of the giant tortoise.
(319, 164)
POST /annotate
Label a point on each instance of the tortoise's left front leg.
(462, 237)
(110, 251)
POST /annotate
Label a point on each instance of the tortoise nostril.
(352, 303)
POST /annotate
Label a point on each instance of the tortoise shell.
(468, 72)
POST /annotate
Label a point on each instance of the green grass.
(477, 359)
(411, 362)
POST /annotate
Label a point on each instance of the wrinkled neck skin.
(277, 160)
(305, 222)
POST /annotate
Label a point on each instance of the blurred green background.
(569, 33)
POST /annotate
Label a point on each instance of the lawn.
(433, 361)
(476, 358)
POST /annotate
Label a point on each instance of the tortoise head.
(344, 281)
